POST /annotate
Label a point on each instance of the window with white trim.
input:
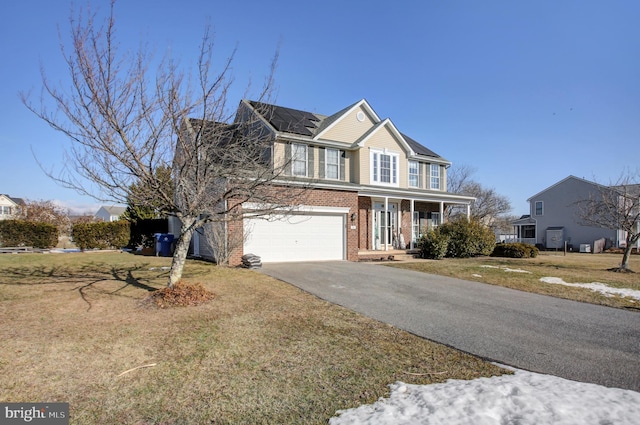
(384, 168)
(435, 177)
(299, 160)
(414, 174)
(332, 163)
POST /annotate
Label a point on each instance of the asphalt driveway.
(573, 340)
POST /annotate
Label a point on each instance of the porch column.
(386, 222)
(441, 212)
(468, 211)
(413, 243)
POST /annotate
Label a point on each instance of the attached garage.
(303, 236)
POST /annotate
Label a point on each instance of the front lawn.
(74, 330)
(525, 273)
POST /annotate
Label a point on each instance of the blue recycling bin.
(163, 244)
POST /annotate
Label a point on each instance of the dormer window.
(384, 168)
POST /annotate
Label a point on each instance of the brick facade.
(365, 222)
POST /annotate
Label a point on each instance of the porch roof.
(523, 221)
(416, 195)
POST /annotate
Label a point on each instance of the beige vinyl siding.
(278, 154)
(355, 167)
(348, 129)
(315, 152)
(443, 178)
(383, 139)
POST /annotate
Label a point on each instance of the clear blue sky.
(526, 92)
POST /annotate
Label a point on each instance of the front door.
(385, 226)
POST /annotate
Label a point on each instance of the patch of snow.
(506, 269)
(476, 275)
(524, 398)
(604, 289)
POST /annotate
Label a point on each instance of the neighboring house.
(554, 218)
(10, 208)
(373, 187)
(110, 213)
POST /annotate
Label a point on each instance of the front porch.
(396, 223)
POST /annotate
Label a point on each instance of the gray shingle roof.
(288, 120)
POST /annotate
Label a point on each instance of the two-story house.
(373, 187)
(10, 208)
(554, 218)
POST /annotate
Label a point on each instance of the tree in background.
(128, 116)
(616, 207)
(143, 205)
(488, 207)
(46, 212)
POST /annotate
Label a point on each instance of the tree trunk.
(624, 265)
(631, 240)
(182, 248)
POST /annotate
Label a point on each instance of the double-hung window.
(435, 177)
(414, 174)
(539, 208)
(299, 159)
(384, 168)
(332, 163)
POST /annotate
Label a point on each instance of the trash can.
(163, 244)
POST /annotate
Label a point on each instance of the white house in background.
(10, 208)
(112, 213)
(554, 218)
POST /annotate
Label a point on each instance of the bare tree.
(46, 212)
(488, 205)
(126, 121)
(616, 207)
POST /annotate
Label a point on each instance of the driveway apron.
(572, 340)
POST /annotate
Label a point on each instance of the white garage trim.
(313, 209)
(318, 234)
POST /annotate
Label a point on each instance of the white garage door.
(297, 237)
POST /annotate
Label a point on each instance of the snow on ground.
(596, 286)
(604, 289)
(507, 269)
(524, 398)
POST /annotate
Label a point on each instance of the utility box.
(555, 238)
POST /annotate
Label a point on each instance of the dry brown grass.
(260, 352)
(572, 268)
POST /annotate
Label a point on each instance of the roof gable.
(561, 182)
(354, 125)
(112, 210)
(362, 110)
(16, 201)
(392, 131)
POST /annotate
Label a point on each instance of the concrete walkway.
(573, 340)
